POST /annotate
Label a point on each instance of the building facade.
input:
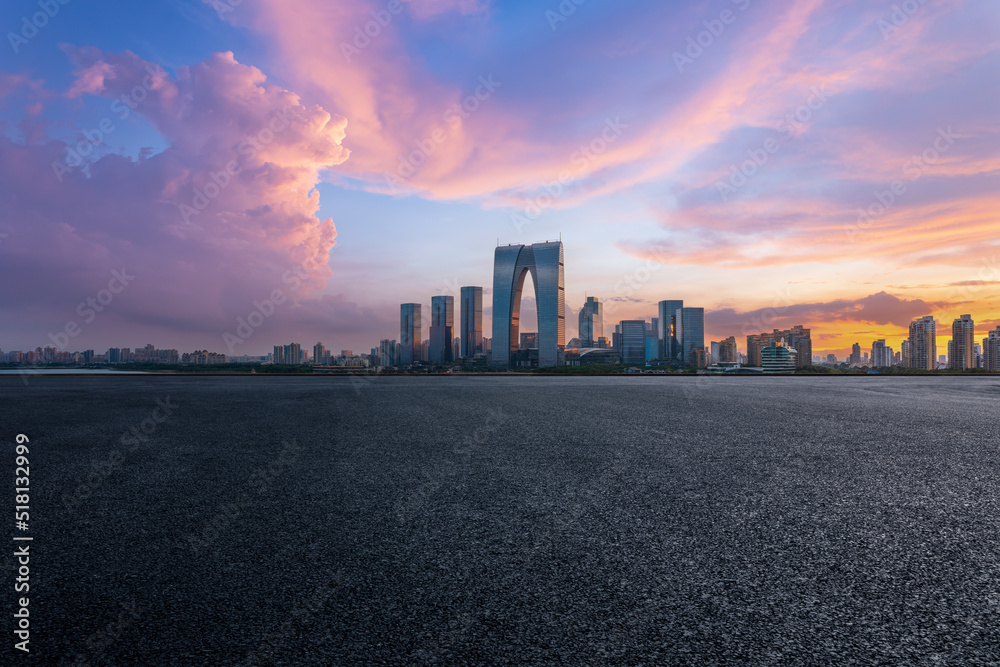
(633, 342)
(991, 350)
(728, 353)
(882, 356)
(442, 331)
(670, 345)
(591, 322)
(471, 324)
(922, 347)
(776, 358)
(511, 263)
(798, 338)
(410, 334)
(690, 332)
(962, 351)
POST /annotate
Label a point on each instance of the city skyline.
(692, 163)
(760, 321)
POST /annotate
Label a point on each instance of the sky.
(232, 175)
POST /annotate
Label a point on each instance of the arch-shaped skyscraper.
(545, 263)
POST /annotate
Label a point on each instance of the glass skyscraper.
(442, 329)
(471, 327)
(633, 342)
(511, 264)
(690, 332)
(591, 322)
(670, 344)
(410, 334)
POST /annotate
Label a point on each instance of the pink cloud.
(207, 226)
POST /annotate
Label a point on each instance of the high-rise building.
(633, 342)
(882, 356)
(713, 352)
(321, 355)
(670, 345)
(690, 331)
(529, 341)
(961, 352)
(591, 322)
(755, 343)
(288, 354)
(991, 350)
(652, 343)
(728, 353)
(410, 334)
(471, 326)
(922, 346)
(388, 354)
(511, 263)
(855, 358)
(442, 329)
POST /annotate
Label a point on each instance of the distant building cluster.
(920, 350)
(674, 338)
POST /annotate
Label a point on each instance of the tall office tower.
(291, 354)
(471, 325)
(670, 346)
(511, 263)
(728, 354)
(387, 353)
(755, 343)
(652, 341)
(633, 342)
(410, 334)
(855, 358)
(881, 354)
(320, 354)
(800, 338)
(714, 350)
(962, 353)
(690, 332)
(923, 343)
(591, 322)
(442, 329)
(978, 354)
(991, 350)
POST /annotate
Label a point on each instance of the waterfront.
(512, 520)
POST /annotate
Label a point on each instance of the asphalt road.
(478, 521)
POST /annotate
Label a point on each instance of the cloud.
(208, 225)
(880, 308)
